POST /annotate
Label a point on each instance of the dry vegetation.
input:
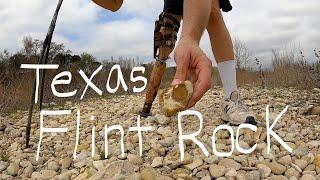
(290, 69)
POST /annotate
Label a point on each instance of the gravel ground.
(299, 127)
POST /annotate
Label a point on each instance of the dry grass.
(289, 70)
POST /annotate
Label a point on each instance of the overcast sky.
(84, 27)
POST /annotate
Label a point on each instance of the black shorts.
(176, 6)
(173, 7)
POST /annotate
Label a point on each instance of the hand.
(192, 61)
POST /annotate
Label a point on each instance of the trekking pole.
(43, 60)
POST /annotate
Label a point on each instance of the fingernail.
(189, 105)
(176, 82)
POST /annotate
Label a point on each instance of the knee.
(216, 21)
(215, 16)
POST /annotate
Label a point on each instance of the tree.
(37, 44)
(33, 47)
(242, 54)
(56, 49)
(88, 63)
(261, 73)
(5, 56)
(4, 60)
(27, 45)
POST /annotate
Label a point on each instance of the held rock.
(176, 98)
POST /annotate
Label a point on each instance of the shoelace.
(240, 106)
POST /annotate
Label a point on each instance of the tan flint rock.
(176, 98)
(317, 161)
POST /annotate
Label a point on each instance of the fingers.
(192, 76)
(191, 59)
(200, 89)
(203, 83)
(182, 61)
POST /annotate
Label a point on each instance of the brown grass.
(289, 70)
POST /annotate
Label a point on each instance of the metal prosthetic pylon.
(165, 37)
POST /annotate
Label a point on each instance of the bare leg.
(220, 39)
(222, 48)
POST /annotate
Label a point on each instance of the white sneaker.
(235, 112)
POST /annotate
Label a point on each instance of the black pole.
(43, 76)
(43, 60)
(52, 27)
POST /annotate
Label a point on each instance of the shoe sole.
(230, 123)
(249, 120)
(224, 118)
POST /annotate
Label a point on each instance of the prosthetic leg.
(165, 37)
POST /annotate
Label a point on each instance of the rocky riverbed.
(299, 128)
